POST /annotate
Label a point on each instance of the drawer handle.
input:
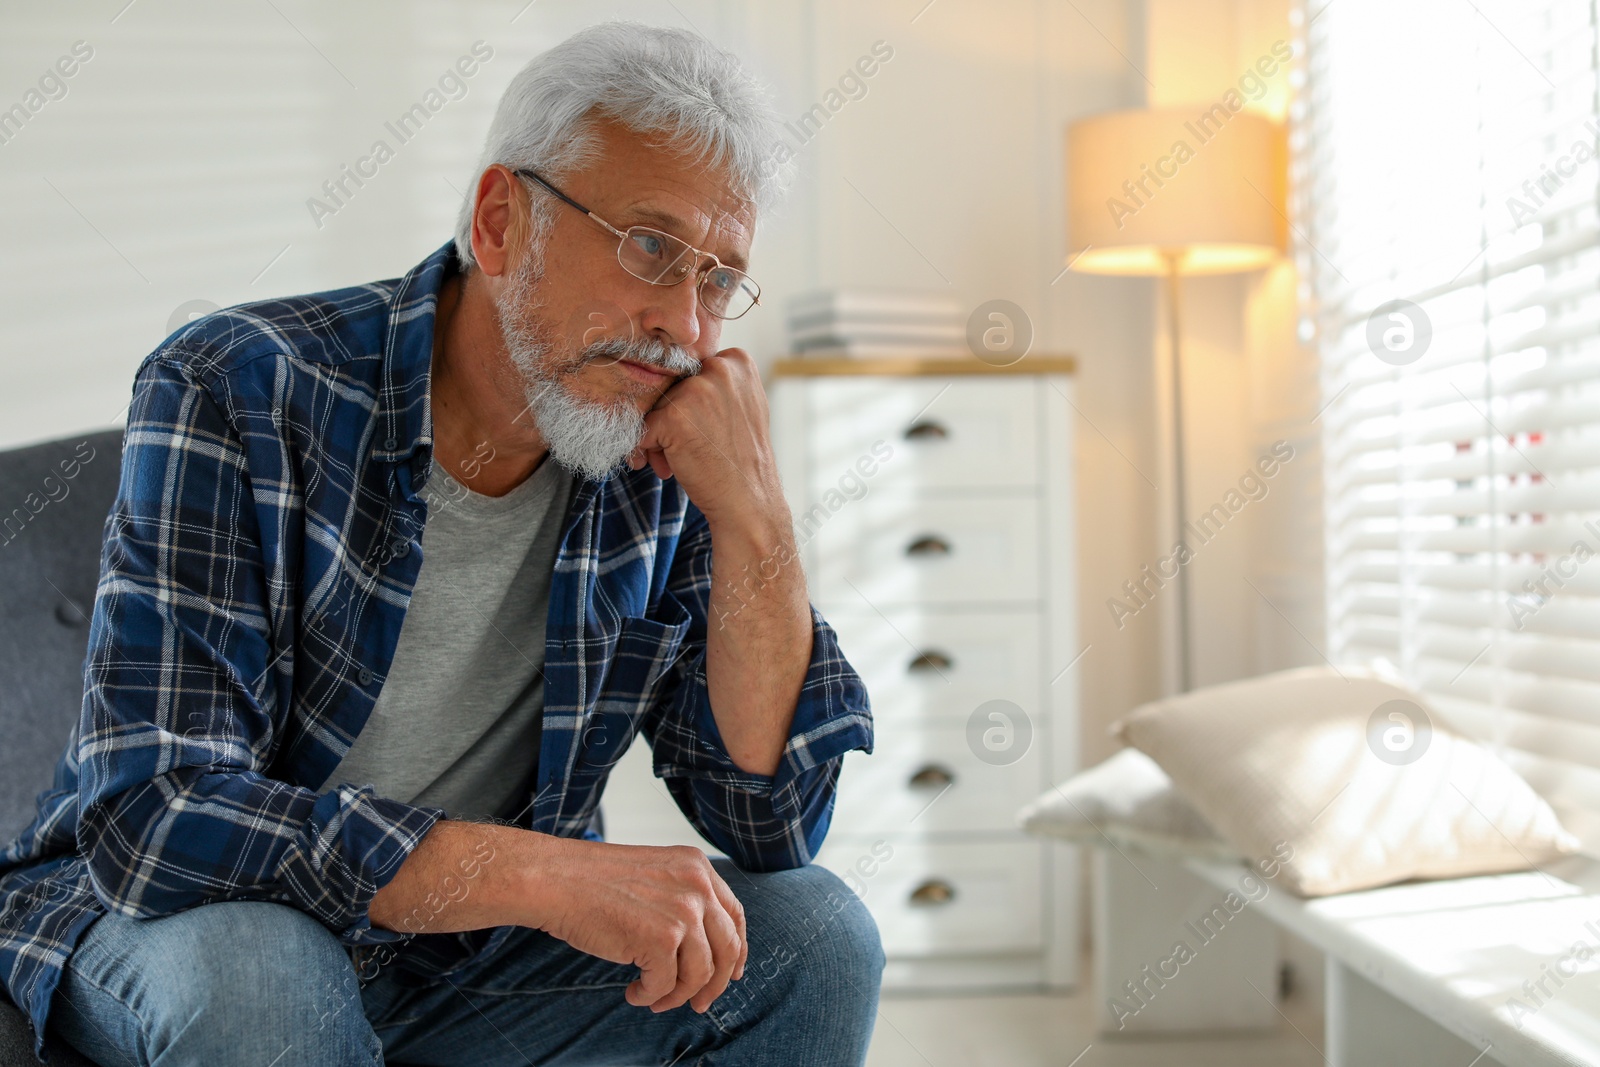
(928, 545)
(933, 893)
(933, 776)
(930, 660)
(926, 430)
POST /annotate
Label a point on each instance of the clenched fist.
(665, 910)
(710, 432)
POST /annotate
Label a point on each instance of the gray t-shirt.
(458, 721)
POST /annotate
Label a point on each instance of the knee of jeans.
(852, 938)
(261, 970)
(823, 924)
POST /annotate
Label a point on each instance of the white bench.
(1433, 972)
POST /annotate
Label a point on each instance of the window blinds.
(1444, 154)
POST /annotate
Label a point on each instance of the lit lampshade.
(1150, 188)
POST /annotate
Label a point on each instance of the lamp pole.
(1174, 261)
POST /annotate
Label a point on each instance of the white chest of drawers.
(934, 505)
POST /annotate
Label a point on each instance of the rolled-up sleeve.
(763, 822)
(179, 719)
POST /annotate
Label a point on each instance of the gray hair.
(654, 81)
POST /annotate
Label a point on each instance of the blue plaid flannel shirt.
(256, 569)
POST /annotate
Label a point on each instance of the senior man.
(394, 575)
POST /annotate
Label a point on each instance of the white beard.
(589, 438)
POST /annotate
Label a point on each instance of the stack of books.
(868, 324)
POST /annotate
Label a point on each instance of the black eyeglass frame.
(623, 235)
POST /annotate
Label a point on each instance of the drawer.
(951, 433)
(920, 665)
(895, 548)
(928, 778)
(933, 899)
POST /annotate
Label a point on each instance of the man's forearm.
(759, 642)
(463, 876)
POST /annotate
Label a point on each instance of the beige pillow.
(1341, 781)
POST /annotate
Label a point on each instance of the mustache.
(647, 350)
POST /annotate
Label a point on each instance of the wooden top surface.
(916, 366)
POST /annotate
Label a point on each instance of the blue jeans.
(264, 985)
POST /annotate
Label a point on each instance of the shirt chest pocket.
(646, 652)
(647, 648)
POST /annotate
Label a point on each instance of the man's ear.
(499, 220)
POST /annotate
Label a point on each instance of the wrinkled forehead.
(726, 230)
(650, 183)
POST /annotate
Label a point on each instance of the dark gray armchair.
(49, 562)
(49, 566)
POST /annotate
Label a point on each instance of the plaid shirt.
(257, 566)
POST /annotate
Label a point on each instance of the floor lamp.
(1168, 192)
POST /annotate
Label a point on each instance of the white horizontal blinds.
(1435, 163)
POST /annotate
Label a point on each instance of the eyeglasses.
(662, 259)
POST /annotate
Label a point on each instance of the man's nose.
(673, 315)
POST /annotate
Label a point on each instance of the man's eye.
(649, 244)
(723, 280)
